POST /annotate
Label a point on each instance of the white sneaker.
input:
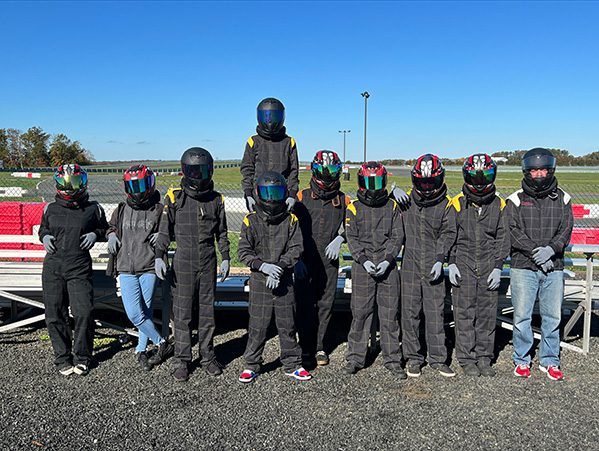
(81, 369)
(66, 370)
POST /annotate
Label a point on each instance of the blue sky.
(148, 80)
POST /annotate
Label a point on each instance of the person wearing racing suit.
(194, 217)
(271, 244)
(430, 231)
(374, 231)
(475, 264)
(541, 221)
(70, 227)
(271, 149)
(321, 213)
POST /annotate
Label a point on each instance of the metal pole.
(344, 133)
(365, 94)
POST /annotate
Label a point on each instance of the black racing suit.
(321, 220)
(278, 243)
(270, 153)
(194, 222)
(537, 222)
(430, 231)
(482, 245)
(67, 277)
(374, 234)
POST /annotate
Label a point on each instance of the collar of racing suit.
(429, 202)
(373, 197)
(195, 193)
(550, 191)
(479, 199)
(324, 194)
(276, 218)
(153, 200)
(279, 136)
(83, 200)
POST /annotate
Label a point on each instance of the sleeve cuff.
(451, 260)
(499, 264)
(225, 256)
(390, 258)
(256, 264)
(556, 249)
(440, 258)
(362, 259)
(293, 193)
(247, 193)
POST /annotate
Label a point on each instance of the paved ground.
(119, 407)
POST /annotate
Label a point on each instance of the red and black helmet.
(428, 175)
(70, 181)
(140, 183)
(479, 172)
(372, 176)
(326, 168)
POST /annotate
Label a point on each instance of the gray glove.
(290, 203)
(369, 267)
(160, 268)
(225, 267)
(541, 254)
(382, 268)
(547, 266)
(250, 203)
(436, 271)
(48, 242)
(271, 270)
(400, 195)
(272, 282)
(494, 279)
(113, 243)
(87, 241)
(300, 270)
(152, 238)
(333, 248)
(454, 275)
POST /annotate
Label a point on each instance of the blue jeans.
(527, 285)
(137, 292)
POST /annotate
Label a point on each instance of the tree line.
(36, 148)
(512, 158)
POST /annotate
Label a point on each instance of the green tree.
(63, 150)
(35, 141)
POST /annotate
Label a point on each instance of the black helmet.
(271, 193)
(70, 181)
(538, 158)
(197, 166)
(271, 115)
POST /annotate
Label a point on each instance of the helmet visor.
(197, 171)
(480, 176)
(70, 182)
(272, 117)
(428, 184)
(374, 182)
(539, 162)
(139, 186)
(272, 193)
(326, 171)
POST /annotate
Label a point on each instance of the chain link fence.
(22, 200)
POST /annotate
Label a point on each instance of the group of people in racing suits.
(291, 240)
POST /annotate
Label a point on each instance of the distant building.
(499, 159)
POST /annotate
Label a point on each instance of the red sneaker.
(247, 376)
(522, 370)
(553, 372)
(300, 374)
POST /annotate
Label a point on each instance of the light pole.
(365, 95)
(345, 132)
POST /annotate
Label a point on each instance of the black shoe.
(398, 372)
(350, 368)
(164, 351)
(413, 369)
(444, 370)
(322, 358)
(471, 370)
(142, 358)
(181, 374)
(486, 369)
(213, 368)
